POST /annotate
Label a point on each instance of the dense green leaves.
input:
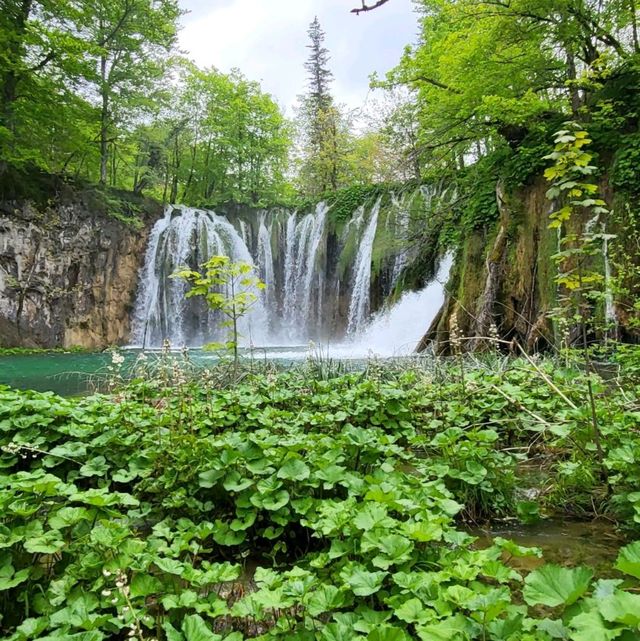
(489, 72)
(289, 507)
(84, 90)
(629, 560)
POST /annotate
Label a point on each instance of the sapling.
(579, 284)
(228, 287)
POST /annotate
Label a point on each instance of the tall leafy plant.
(228, 287)
(580, 285)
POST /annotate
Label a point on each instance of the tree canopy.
(486, 70)
(95, 89)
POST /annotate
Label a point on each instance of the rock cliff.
(69, 267)
(503, 282)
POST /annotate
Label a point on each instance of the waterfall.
(317, 271)
(187, 237)
(359, 306)
(244, 233)
(610, 314)
(302, 276)
(265, 264)
(398, 330)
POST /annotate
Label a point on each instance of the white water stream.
(289, 252)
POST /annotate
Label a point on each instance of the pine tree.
(320, 76)
(321, 120)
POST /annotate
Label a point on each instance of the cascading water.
(398, 330)
(186, 237)
(610, 314)
(320, 283)
(359, 307)
(303, 239)
(610, 311)
(265, 264)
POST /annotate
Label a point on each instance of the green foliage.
(625, 174)
(553, 585)
(322, 126)
(134, 514)
(580, 284)
(480, 206)
(526, 163)
(487, 73)
(227, 287)
(85, 94)
(344, 202)
(24, 351)
(222, 139)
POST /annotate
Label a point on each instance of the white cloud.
(267, 40)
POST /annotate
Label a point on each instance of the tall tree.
(320, 120)
(40, 55)
(220, 138)
(129, 40)
(485, 70)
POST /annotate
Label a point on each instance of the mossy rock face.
(45, 191)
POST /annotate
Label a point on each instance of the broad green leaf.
(30, 628)
(97, 466)
(69, 516)
(412, 611)
(629, 559)
(170, 566)
(145, 584)
(553, 585)
(171, 633)
(361, 581)
(589, 626)
(209, 478)
(388, 633)
(325, 599)
(621, 607)
(275, 501)
(338, 632)
(194, 628)
(235, 482)
(48, 543)
(455, 628)
(370, 516)
(294, 469)
(10, 580)
(94, 635)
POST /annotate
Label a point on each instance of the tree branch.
(368, 7)
(434, 82)
(43, 63)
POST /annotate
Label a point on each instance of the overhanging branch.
(369, 7)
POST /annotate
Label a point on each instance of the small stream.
(591, 543)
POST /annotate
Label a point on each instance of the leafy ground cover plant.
(292, 507)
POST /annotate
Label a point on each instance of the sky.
(267, 39)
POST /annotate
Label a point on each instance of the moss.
(28, 351)
(45, 190)
(472, 277)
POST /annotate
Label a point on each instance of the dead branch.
(368, 7)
